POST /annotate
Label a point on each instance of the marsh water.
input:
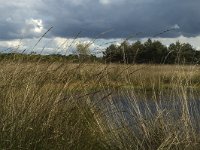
(128, 109)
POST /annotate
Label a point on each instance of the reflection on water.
(126, 109)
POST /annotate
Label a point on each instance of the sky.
(98, 22)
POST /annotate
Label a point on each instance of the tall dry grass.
(96, 106)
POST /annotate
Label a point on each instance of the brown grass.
(71, 106)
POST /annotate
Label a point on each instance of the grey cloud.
(92, 17)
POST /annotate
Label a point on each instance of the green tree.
(182, 53)
(82, 50)
(136, 48)
(113, 54)
(153, 52)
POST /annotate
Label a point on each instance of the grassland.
(51, 105)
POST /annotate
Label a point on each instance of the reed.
(97, 106)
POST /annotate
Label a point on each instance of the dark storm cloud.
(92, 17)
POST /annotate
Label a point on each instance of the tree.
(82, 50)
(113, 54)
(136, 48)
(151, 52)
(160, 52)
(125, 51)
(182, 53)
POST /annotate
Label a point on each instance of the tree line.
(82, 53)
(148, 52)
(151, 52)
